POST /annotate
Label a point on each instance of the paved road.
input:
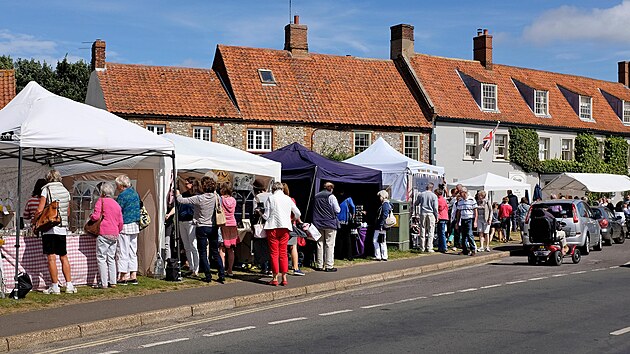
(507, 306)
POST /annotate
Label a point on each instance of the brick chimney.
(401, 42)
(295, 40)
(482, 48)
(98, 55)
(624, 73)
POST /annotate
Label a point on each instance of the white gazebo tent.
(490, 182)
(397, 168)
(39, 128)
(579, 183)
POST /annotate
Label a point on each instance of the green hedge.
(524, 152)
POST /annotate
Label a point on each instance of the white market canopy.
(491, 182)
(578, 183)
(395, 166)
(56, 130)
(195, 154)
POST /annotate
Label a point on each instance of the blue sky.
(585, 37)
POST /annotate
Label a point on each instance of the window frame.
(571, 149)
(496, 98)
(417, 147)
(263, 133)
(154, 127)
(202, 128)
(590, 108)
(506, 145)
(476, 145)
(354, 141)
(546, 103)
(267, 82)
(547, 153)
(625, 112)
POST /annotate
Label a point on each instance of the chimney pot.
(479, 31)
(401, 42)
(482, 49)
(296, 19)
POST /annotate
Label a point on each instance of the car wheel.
(586, 249)
(556, 258)
(599, 245)
(531, 259)
(621, 238)
(576, 257)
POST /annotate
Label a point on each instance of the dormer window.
(541, 102)
(266, 77)
(626, 112)
(489, 97)
(586, 108)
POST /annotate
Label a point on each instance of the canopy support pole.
(18, 225)
(310, 196)
(175, 219)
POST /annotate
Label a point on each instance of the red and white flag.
(487, 140)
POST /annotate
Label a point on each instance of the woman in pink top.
(111, 226)
(443, 221)
(228, 231)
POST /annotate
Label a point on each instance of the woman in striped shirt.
(33, 202)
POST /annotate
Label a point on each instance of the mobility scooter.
(547, 232)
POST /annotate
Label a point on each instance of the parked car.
(581, 228)
(610, 224)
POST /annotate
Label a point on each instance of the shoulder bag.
(259, 229)
(49, 216)
(145, 218)
(93, 227)
(218, 210)
(390, 221)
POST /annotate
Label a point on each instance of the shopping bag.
(259, 231)
(218, 210)
(313, 233)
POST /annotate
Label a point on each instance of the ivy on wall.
(523, 151)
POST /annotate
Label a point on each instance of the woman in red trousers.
(278, 209)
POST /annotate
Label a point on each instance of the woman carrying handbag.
(108, 216)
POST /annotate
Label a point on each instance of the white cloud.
(572, 23)
(24, 45)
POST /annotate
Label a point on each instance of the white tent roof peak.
(382, 156)
(491, 182)
(38, 118)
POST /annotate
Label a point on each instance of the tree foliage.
(524, 152)
(66, 79)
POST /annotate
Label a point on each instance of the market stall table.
(81, 254)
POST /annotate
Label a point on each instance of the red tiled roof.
(320, 89)
(7, 87)
(452, 99)
(163, 90)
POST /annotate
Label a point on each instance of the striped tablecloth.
(81, 254)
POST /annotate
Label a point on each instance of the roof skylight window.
(266, 76)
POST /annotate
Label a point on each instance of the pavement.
(29, 329)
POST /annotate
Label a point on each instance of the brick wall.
(323, 140)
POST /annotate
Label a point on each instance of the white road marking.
(613, 267)
(620, 332)
(597, 270)
(164, 342)
(467, 290)
(515, 282)
(228, 331)
(377, 305)
(111, 352)
(559, 275)
(539, 278)
(334, 312)
(490, 286)
(446, 293)
(287, 320)
(579, 272)
(412, 299)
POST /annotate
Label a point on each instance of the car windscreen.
(556, 209)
